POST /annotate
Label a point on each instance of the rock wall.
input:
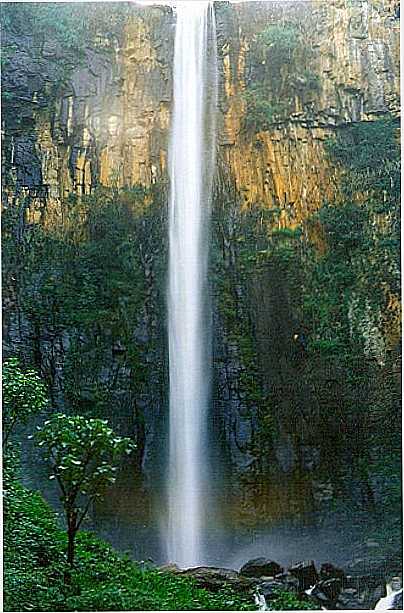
(356, 58)
(108, 125)
(111, 126)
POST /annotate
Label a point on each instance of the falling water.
(191, 168)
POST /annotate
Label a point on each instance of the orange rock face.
(114, 126)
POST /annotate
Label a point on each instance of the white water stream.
(191, 169)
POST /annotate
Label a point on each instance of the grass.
(103, 580)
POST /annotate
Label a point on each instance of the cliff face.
(112, 124)
(354, 53)
(107, 124)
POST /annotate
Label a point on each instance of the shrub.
(24, 394)
(83, 454)
(103, 580)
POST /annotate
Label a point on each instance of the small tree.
(24, 394)
(83, 454)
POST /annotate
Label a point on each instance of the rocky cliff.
(111, 122)
(86, 125)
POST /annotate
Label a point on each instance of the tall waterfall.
(191, 168)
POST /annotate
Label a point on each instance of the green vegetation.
(24, 395)
(315, 332)
(97, 250)
(279, 70)
(368, 149)
(288, 601)
(91, 275)
(262, 112)
(281, 41)
(101, 580)
(83, 455)
(323, 326)
(38, 576)
(356, 285)
(69, 27)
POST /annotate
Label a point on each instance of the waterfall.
(191, 169)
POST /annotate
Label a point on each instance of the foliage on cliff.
(69, 25)
(279, 71)
(23, 395)
(323, 331)
(92, 275)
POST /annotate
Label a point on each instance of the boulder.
(372, 597)
(349, 599)
(260, 567)
(318, 596)
(306, 573)
(170, 568)
(369, 582)
(331, 588)
(269, 589)
(352, 582)
(213, 579)
(329, 571)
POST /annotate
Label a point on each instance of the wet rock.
(326, 592)
(170, 568)
(369, 582)
(331, 588)
(269, 589)
(374, 596)
(27, 162)
(260, 567)
(349, 599)
(213, 579)
(371, 544)
(361, 597)
(329, 571)
(318, 596)
(351, 582)
(292, 583)
(306, 573)
(367, 566)
(393, 601)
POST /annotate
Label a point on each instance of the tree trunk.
(71, 535)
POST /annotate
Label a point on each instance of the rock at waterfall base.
(213, 579)
(329, 571)
(306, 573)
(260, 567)
(391, 602)
(270, 589)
